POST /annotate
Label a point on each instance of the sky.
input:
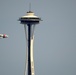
(55, 37)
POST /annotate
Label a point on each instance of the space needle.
(29, 21)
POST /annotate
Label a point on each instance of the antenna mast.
(29, 6)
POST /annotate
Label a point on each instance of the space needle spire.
(29, 6)
(29, 21)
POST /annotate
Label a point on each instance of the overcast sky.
(55, 37)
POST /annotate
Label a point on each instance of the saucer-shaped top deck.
(30, 18)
